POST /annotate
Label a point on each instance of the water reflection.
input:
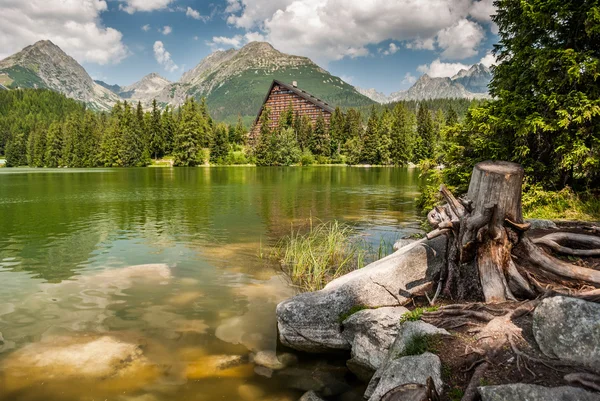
(161, 267)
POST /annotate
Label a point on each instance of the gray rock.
(539, 224)
(310, 321)
(262, 371)
(531, 392)
(408, 369)
(270, 360)
(569, 329)
(406, 333)
(310, 396)
(401, 243)
(371, 332)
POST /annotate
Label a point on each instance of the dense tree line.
(126, 137)
(391, 136)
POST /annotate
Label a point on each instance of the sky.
(381, 44)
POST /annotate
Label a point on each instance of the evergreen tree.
(337, 131)
(16, 151)
(54, 145)
(73, 151)
(187, 148)
(304, 134)
(286, 119)
(168, 129)
(220, 145)
(156, 133)
(370, 148)
(425, 134)
(402, 136)
(386, 123)
(262, 150)
(240, 132)
(320, 144)
(112, 138)
(451, 117)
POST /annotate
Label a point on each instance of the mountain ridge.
(469, 83)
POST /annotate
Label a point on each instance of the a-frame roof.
(303, 94)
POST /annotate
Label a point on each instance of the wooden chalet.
(278, 100)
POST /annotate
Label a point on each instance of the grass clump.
(415, 314)
(419, 344)
(326, 251)
(352, 311)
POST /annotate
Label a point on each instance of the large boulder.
(409, 369)
(531, 392)
(569, 329)
(311, 322)
(407, 333)
(371, 332)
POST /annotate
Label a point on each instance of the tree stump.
(488, 234)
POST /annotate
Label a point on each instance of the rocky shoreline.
(554, 355)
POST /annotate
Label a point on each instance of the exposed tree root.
(553, 241)
(588, 380)
(471, 390)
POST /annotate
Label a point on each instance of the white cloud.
(333, 29)
(483, 10)
(461, 40)
(488, 60)
(440, 69)
(196, 38)
(235, 41)
(409, 79)
(163, 57)
(190, 12)
(132, 6)
(422, 44)
(73, 25)
(391, 50)
(146, 28)
(166, 30)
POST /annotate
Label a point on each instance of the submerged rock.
(569, 329)
(531, 392)
(219, 366)
(311, 322)
(272, 361)
(310, 396)
(371, 332)
(405, 370)
(105, 359)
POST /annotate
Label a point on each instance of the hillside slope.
(235, 82)
(45, 65)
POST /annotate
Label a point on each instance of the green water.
(71, 246)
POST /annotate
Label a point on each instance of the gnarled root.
(555, 241)
(588, 380)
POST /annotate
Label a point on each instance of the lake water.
(147, 285)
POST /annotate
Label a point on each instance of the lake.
(147, 284)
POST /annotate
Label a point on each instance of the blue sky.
(381, 44)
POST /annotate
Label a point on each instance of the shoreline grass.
(315, 255)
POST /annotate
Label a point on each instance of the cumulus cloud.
(461, 40)
(483, 10)
(440, 69)
(333, 29)
(163, 57)
(166, 30)
(409, 79)
(72, 25)
(488, 60)
(146, 28)
(392, 49)
(132, 6)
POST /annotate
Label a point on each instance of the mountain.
(146, 89)
(469, 84)
(476, 79)
(113, 88)
(235, 82)
(373, 94)
(45, 65)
